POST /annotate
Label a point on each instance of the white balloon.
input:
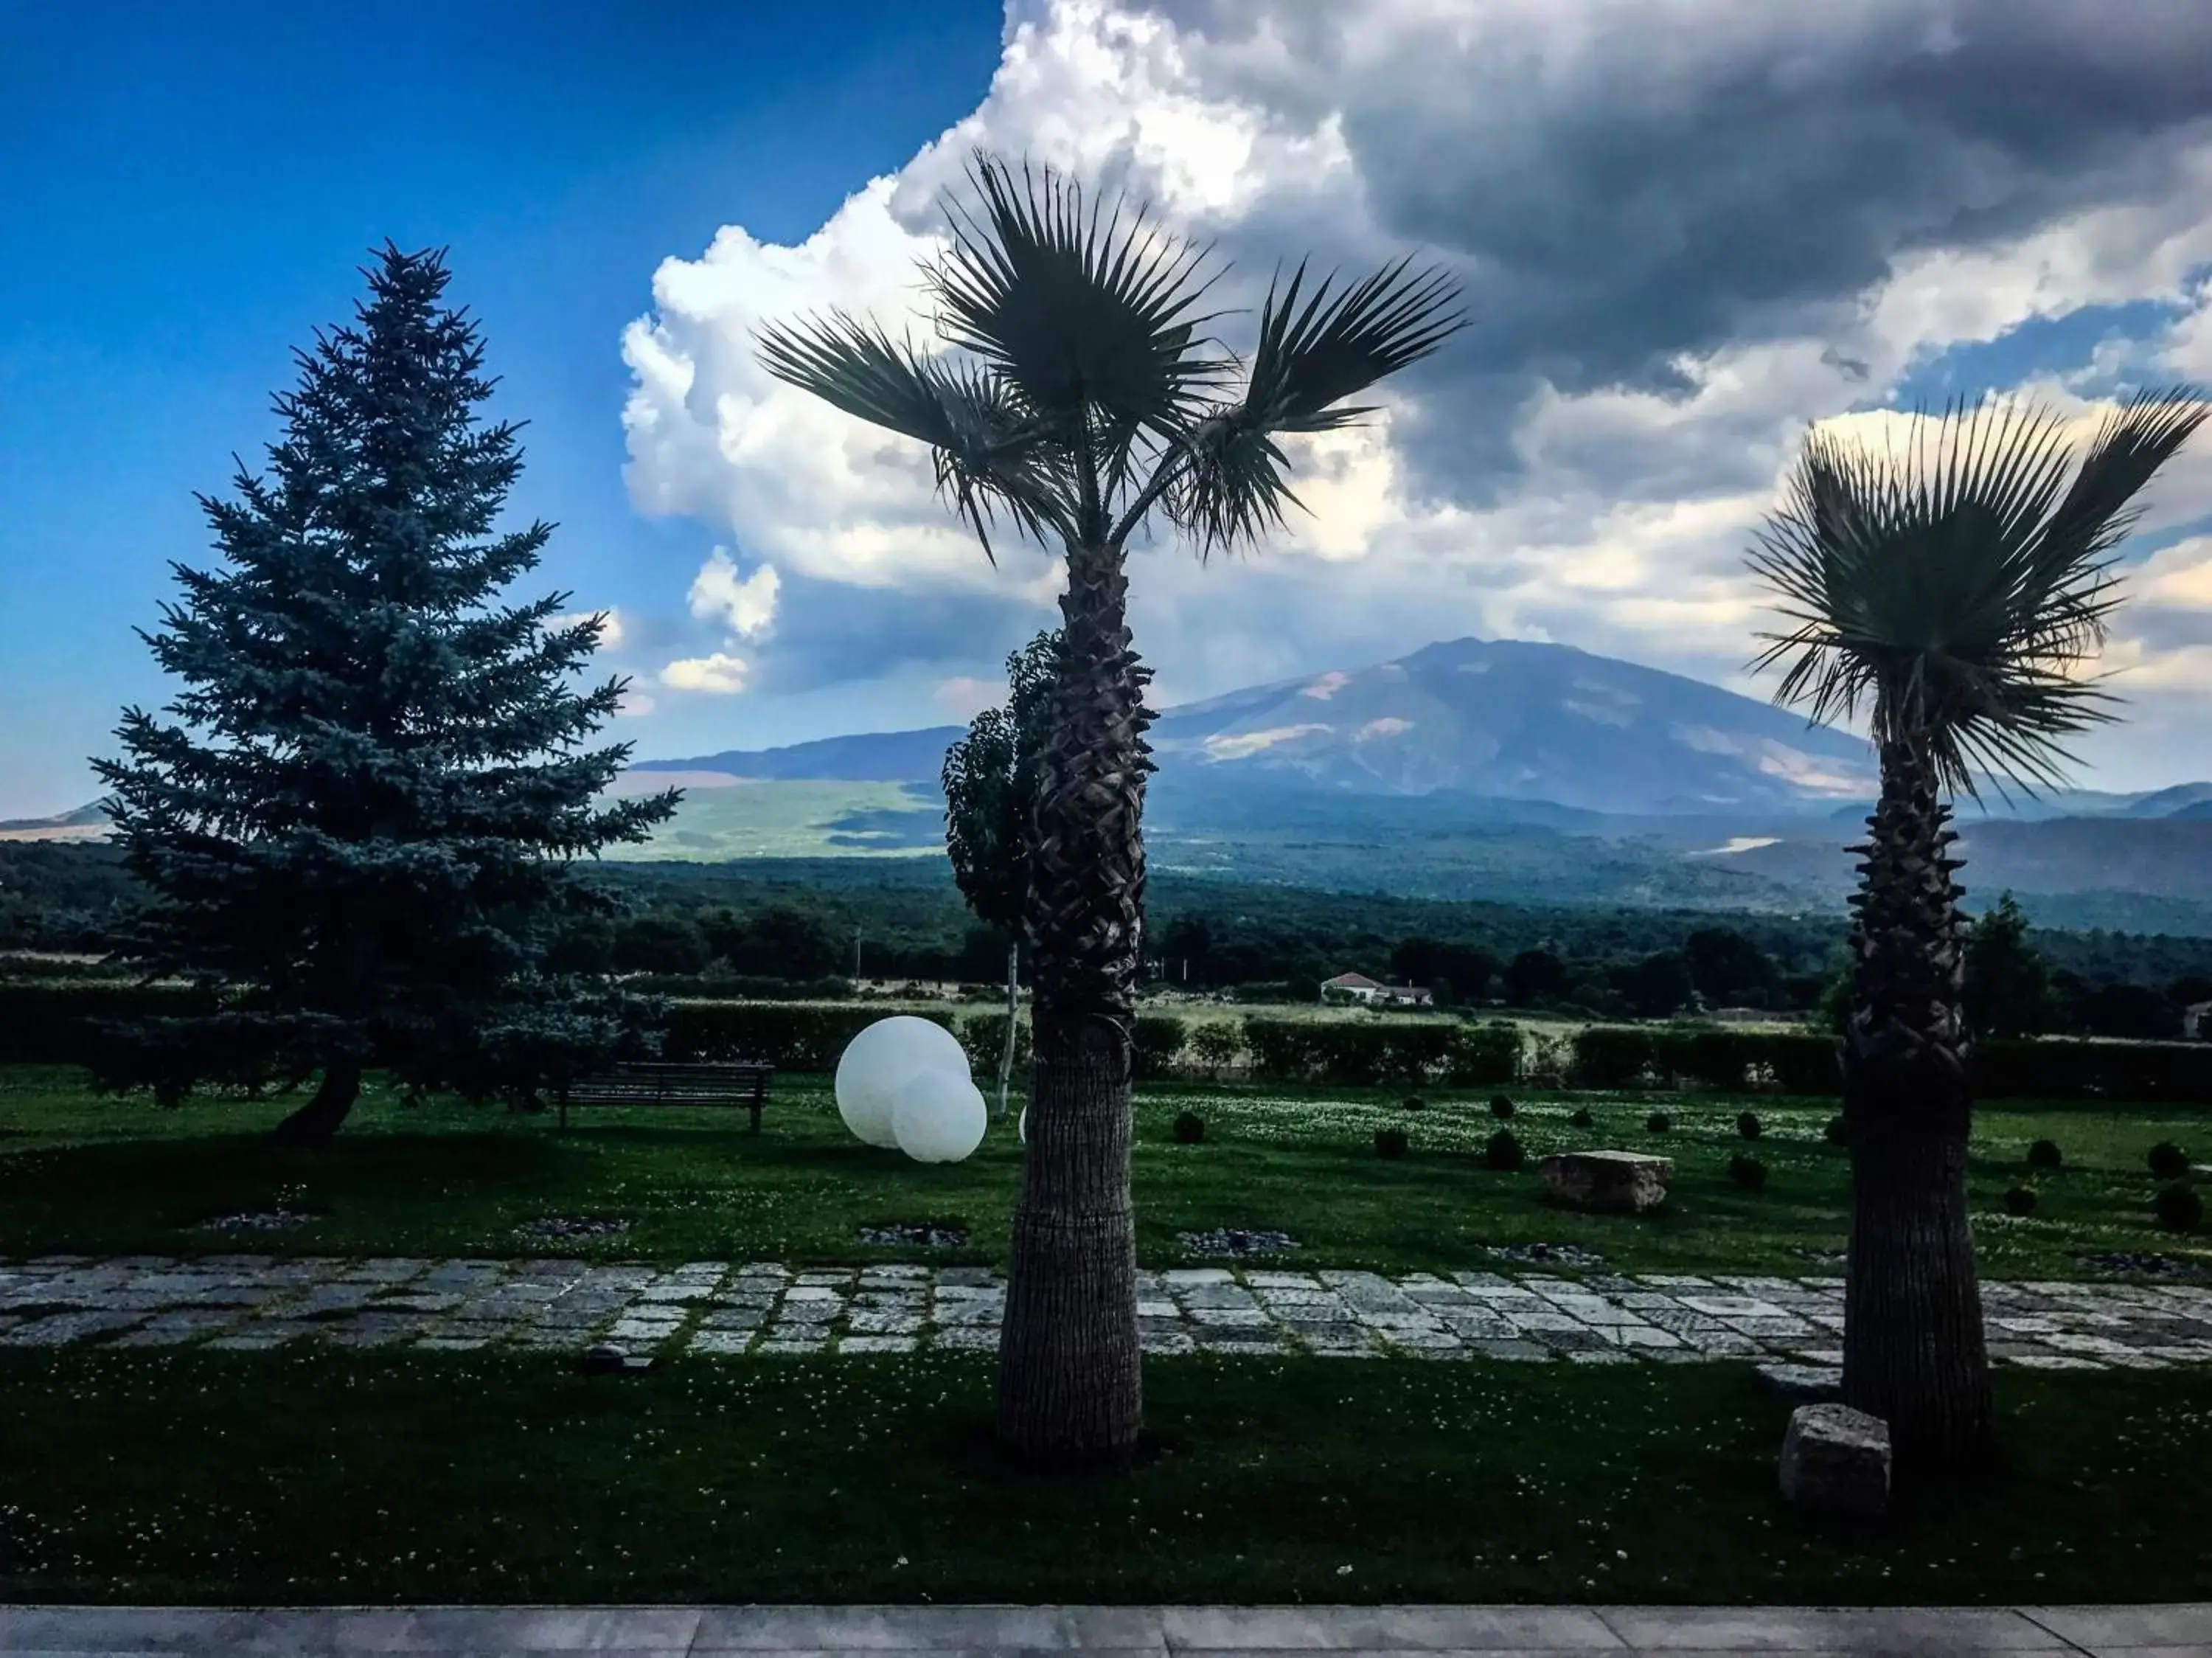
(939, 1117)
(884, 1058)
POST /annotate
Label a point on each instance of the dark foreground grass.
(212, 1478)
(81, 1173)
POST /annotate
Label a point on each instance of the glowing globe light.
(939, 1117)
(880, 1061)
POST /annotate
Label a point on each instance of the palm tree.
(1080, 393)
(1953, 594)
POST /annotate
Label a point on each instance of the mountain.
(86, 823)
(1516, 721)
(1503, 720)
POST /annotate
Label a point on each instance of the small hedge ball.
(1747, 1171)
(1503, 1151)
(2179, 1208)
(2044, 1154)
(1658, 1122)
(1414, 1102)
(2021, 1200)
(1389, 1142)
(1838, 1133)
(1582, 1118)
(2168, 1161)
(1500, 1107)
(1749, 1126)
(1190, 1127)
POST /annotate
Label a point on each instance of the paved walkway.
(1112, 1631)
(245, 1302)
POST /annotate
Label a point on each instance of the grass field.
(361, 1478)
(82, 1174)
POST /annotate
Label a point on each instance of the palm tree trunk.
(1069, 1385)
(1914, 1352)
(1013, 1021)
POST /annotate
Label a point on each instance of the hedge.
(1357, 1053)
(50, 1023)
(1721, 1061)
(789, 1035)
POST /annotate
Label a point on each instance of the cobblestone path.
(243, 1303)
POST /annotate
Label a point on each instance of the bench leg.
(754, 1107)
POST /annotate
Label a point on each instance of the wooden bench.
(741, 1082)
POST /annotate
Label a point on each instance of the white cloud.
(635, 704)
(610, 625)
(965, 696)
(1684, 243)
(720, 674)
(745, 606)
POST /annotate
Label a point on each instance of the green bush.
(1363, 1053)
(1157, 1039)
(1389, 1142)
(1747, 1171)
(791, 1036)
(1658, 1122)
(1581, 1118)
(1838, 1132)
(2179, 1208)
(2019, 1200)
(2168, 1161)
(1414, 1102)
(1190, 1127)
(983, 1035)
(1500, 1106)
(2044, 1154)
(1504, 1152)
(1700, 1057)
(58, 1022)
(1748, 1125)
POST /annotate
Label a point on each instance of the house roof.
(1350, 982)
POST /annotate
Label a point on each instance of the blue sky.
(1677, 252)
(191, 190)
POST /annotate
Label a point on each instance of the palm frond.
(1230, 488)
(1955, 592)
(1081, 311)
(990, 455)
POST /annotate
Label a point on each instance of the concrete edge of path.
(2142, 1631)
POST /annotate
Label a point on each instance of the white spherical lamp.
(939, 1117)
(884, 1058)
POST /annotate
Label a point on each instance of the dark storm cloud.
(1625, 184)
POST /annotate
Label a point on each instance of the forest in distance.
(801, 926)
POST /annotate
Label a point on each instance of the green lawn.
(85, 1174)
(361, 1478)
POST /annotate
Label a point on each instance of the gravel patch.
(1231, 1240)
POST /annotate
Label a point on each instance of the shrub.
(1190, 1127)
(1157, 1040)
(2179, 1208)
(1748, 1125)
(791, 1036)
(1839, 1132)
(1747, 1171)
(1389, 1142)
(2168, 1161)
(2044, 1154)
(1500, 1107)
(1503, 1151)
(1658, 1122)
(2021, 1200)
(1582, 1118)
(1414, 1102)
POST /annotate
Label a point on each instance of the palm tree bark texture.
(1070, 1390)
(1914, 1353)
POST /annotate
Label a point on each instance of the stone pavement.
(2165, 1631)
(249, 1302)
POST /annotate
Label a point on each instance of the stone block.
(1627, 1181)
(1836, 1460)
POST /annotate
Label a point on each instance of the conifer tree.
(358, 819)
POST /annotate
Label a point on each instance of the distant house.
(1358, 987)
(2197, 1021)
